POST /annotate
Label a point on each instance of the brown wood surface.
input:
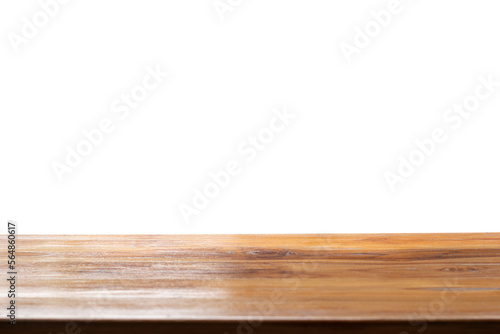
(226, 283)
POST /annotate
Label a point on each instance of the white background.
(324, 173)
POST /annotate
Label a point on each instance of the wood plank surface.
(238, 283)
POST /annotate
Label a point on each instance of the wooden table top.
(280, 278)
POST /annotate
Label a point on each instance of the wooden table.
(234, 284)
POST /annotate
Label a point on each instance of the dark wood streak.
(300, 327)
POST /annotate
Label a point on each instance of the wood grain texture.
(403, 280)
